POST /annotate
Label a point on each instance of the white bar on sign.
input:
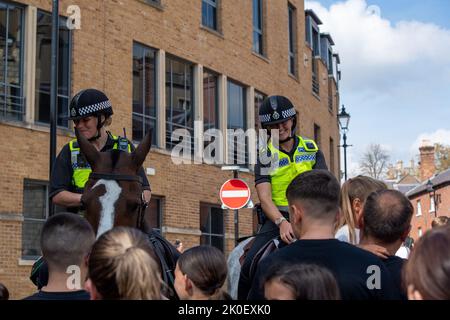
(235, 194)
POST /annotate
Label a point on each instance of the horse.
(113, 196)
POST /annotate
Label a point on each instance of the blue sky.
(395, 62)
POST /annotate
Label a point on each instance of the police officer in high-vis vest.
(91, 112)
(277, 166)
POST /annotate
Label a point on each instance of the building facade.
(169, 64)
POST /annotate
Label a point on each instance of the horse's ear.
(88, 150)
(143, 149)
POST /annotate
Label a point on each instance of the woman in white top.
(354, 193)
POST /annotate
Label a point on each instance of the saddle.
(270, 247)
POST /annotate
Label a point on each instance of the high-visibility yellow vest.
(304, 159)
(81, 168)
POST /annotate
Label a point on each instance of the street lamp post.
(344, 119)
(432, 192)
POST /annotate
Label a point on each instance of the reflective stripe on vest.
(304, 159)
(81, 168)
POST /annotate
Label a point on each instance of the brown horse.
(113, 196)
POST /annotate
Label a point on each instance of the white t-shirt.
(403, 252)
(343, 234)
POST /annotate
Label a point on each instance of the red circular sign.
(234, 194)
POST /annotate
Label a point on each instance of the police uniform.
(283, 167)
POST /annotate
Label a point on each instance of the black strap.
(115, 176)
(167, 271)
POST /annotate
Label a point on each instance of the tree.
(374, 161)
(442, 153)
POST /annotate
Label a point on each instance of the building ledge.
(5, 216)
(37, 127)
(186, 231)
(214, 32)
(260, 56)
(153, 4)
(26, 262)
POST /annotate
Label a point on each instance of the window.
(332, 155)
(210, 105)
(258, 27)
(419, 209)
(259, 98)
(12, 103)
(209, 13)
(419, 232)
(292, 15)
(212, 226)
(432, 205)
(35, 213)
(179, 99)
(237, 119)
(316, 52)
(43, 69)
(210, 108)
(154, 219)
(144, 92)
(330, 95)
(317, 135)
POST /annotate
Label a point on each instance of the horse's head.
(113, 195)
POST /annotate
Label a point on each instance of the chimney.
(427, 166)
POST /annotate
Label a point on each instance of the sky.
(395, 63)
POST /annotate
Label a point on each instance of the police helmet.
(90, 102)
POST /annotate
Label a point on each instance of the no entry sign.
(234, 194)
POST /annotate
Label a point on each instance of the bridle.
(124, 177)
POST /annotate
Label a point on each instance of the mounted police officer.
(289, 157)
(91, 112)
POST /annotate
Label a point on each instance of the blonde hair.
(355, 188)
(121, 266)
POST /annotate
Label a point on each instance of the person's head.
(278, 112)
(66, 240)
(91, 111)
(200, 273)
(313, 198)
(121, 267)
(440, 222)
(427, 272)
(300, 282)
(387, 216)
(353, 195)
(4, 293)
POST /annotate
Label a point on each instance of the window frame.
(22, 113)
(245, 128)
(40, 183)
(258, 31)
(37, 92)
(292, 40)
(206, 21)
(419, 209)
(144, 116)
(209, 234)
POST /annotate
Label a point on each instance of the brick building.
(165, 64)
(431, 198)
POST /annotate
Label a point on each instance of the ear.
(413, 294)
(405, 234)
(88, 150)
(90, 287)
(143, 149)
(188, 285)
(295, 213)
(357, 206)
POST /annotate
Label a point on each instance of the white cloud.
(441, 136)
(378, 55)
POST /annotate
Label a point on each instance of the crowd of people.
(333, 242)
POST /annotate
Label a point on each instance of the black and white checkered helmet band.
(93, 108)
(285, 114)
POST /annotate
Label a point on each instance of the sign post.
(235, 195)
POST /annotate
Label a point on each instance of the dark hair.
(206, 267)
(428, 266)
(440, 221)
(387, 215)
(318, 190)
(4, 293)
(307, 281)
(66, 239)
